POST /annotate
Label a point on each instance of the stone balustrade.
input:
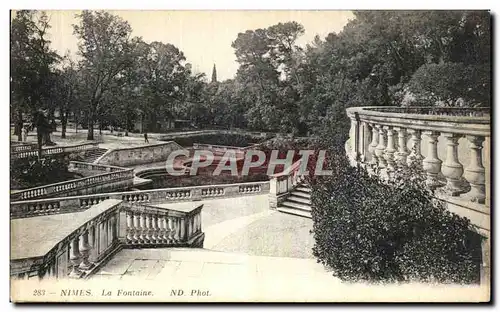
(451, 145)
(149, 226)
(145, 154)
(48, 206)
(79, 165)
(22, 147)
(109, 180)
(32, 151)
(78, 248)
(281, 184)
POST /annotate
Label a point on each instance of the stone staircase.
(298, 202)
(92, 155)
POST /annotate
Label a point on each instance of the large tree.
(32, 71)
(106, 50)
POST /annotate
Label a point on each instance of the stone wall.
(138, 155)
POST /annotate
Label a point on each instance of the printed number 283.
(39, 292)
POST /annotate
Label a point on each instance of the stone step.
(299, 199)
(295, 205)
(303, 189)
(297, 212)
(301, 194)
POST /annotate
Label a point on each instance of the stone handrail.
(73, 185)
(102, 231)
(149, 226)
(281, 184)
(55, 150)
(215, 146)
(129, 156)
(379, 139)
(79, 165)
(50, 206)
(22, 147)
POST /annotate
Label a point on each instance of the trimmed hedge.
(369, 230)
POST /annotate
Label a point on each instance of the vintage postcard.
(250, 156)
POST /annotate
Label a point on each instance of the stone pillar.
(75, 257)
(431, 163)
(452, 169)
(380, 149)
(273, 193)
(402, 153)
(475, 172)
(390, 150)
(85, 252)
(485, 261)
(373, 146)
(355, 137)
(415, 158)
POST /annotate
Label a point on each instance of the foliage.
(369, 230)
(451, 84)
(239, 140)
(28, 173)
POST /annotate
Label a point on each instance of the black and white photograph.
(250, 156)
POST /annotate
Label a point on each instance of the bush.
(368, 230)
(28, 173)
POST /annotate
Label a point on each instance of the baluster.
(390, 150)
(182, 229)
(154, 229)
(75, 258)
(85, 252)
(373, 146)
(171, 230)
(452, 169)
(402, 153)
(415, 158)
(431, 163)
(475, 172)
(161, 229)
(143, 229)
(130, 229)
(137, 229)
(380, 149)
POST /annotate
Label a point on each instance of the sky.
(205, 37)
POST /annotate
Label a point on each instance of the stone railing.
(16, 147)
(451, 145)
(281, 184)
(149, 226)
(111, 180)
(47, 151)
(84, 166)
(80, 246)
(49, 206)
(174, 135)
(138, 155)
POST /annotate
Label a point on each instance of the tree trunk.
(39, 139)
(100, 128)
(90, 129)
(64, 122)
(18, 128)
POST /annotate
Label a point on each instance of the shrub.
(29, 172)
(369, 230)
